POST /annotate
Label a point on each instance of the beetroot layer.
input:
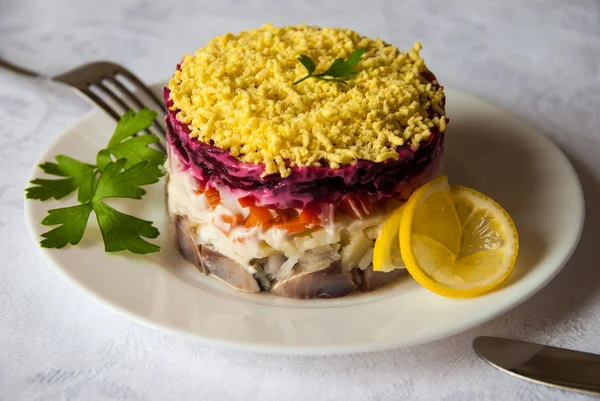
(217, 167)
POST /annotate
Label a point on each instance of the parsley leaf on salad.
(339, 71)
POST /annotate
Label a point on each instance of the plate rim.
(282, 348)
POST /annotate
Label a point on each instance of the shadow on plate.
(499, 166)
(579, 281)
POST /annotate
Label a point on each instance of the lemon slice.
(386, 253)
(453, 240)
(456, 241)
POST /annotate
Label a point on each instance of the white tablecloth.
(540, 59)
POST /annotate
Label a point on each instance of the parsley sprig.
(126, 164)
(339, 71)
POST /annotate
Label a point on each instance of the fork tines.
(116, 90)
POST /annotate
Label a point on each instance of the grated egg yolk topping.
(237, 93)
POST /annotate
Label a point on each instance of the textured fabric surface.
(540, 59)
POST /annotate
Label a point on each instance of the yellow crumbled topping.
(238, 94)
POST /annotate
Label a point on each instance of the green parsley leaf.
(72, 220)
(338, 71)
(354, 58)
(135, 165)
(79, 176)
(53, 168)
(118, 183)
(123, 232)
(131, 123)
(308, 63)
(123, 145)
(119, 231)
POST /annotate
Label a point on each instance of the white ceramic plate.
(487, 148)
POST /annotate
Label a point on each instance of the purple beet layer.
(217, 167)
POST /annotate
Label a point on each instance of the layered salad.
(282, 186)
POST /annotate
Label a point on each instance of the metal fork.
(101, 82)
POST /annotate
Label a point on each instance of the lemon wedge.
(454, 241)
(386, 253)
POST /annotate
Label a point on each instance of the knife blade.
(542, 364)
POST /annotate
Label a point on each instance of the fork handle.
(17, 69)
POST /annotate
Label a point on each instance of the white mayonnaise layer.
(242, 244)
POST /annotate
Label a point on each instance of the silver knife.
(555, 367)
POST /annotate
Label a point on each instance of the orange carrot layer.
(292, 226)
(247, 201)
(259, 216)
(355, 206)
(213, 197)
